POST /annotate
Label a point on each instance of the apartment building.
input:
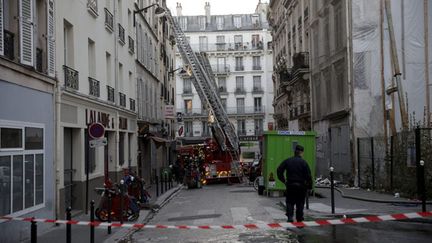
(290, 32)
(238, 47)
(95, 63)
(27, 129)
(156, 90)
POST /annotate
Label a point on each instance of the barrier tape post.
(423, 186)
(332, 189)
(121, 202)
(109, 210)
(92, 213)
(68, 226)
(33, 231)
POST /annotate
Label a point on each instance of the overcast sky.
(196, 7)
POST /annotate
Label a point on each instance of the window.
(240, 105)
(238, 42)
(256, 83)
(256, 41)
(241, 127)
(203, 43)
(205, 129)
(256, 63)
(188, 129)
(239, 83)
(220, 42)
(21, 167)
(183, 23)
(187, 86)
(224, 103)
(202, 22)
(222, 84)
(11, 138)
(237, 21)
(188, 106)
(68, 44)
(219, 22)
(255, 20)
(108, 68)
(258, 126)
(91, 58)
(326, 37)
(257, 104)
(239, 64)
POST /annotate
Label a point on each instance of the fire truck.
(214, 164)
(218, 157)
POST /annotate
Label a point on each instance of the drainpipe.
(57, 127)
(116, 87)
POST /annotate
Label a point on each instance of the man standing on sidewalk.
(298, 180)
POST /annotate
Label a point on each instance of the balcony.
(92, 7)
(245, 110)
(122, 99)
(240, 91)
(300, 61)
(223, 90)
(225, 47)
(257, 90)
(256, 67)
(132, 104)
(239, 68)
(131, 45)
(110, 93)
(187, 91)
(109, 20)
(94, 87)
(221, 46)
(193, 112)
(241, 132)
(221, 69)
(9, 48)
(71, 78)
(121, 35)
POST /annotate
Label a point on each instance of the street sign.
(180, 131)
(96, 130)
(98, 142)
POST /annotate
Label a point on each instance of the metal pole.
(426, 53)
(92, 231)
(373, 163)
(33, 231)
(358, 162)
(332, 189)
(383, 94)
(420, 173)
(68, 226)
(121, 203)
(109, 210)
(423, 186)
(157, 186)
(87, 157)
(391, 161)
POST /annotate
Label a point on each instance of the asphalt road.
(239, 204)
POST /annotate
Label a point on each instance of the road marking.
(240, 215)
(204, 221)
(275, 213)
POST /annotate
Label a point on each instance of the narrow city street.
(240, 204)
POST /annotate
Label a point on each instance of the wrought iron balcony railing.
(121, 34)
(94, 87)
(71, 77)
(242, 110)
(239, 68)
(257, 90)
(109, 20)
(110, 93)
(221, 69)
(256, 67)
(122, 99)
(240, 91)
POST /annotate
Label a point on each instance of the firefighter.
(298, 180)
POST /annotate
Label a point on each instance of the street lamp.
(159, 11)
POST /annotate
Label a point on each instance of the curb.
(122, 236)
(374, 200)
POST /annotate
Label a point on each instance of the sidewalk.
(354, 202)
(81, 234)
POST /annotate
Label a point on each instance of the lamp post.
(158, 11)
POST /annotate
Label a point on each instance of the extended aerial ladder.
(203, 81)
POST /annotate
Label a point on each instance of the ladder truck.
(203, 80)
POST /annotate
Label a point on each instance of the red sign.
(180, 131)
(270, 126)
(96, 130)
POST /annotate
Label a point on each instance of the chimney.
(179, 9)
(207, 11)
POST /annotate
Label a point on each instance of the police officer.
(298, 179)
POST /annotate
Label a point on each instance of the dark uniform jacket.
(297, 172)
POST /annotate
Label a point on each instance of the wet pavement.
(240, 204)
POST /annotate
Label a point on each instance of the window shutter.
(1, 29)
(26, 31)
(51, 38)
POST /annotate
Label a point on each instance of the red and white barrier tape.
(322, 222)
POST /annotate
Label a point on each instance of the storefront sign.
(248, 138)
(93, 116)
(169, 112)
(123, 123)
(298, 133)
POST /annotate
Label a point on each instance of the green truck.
(278, 146)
